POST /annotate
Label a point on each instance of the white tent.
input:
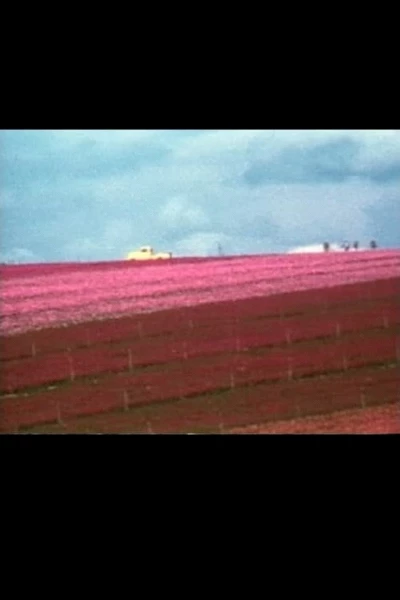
(333, 247)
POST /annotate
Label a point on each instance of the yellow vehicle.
(147, 253)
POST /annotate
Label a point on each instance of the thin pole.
(126, 401)
(130, 359)
(71, 365)
(232, 380)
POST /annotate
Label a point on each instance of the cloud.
(81, 249)
(178, 213)
(333, 161)
(19, 255)
(102, 193)
(67, 157)
(202, 243)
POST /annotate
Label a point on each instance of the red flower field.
(284, 343)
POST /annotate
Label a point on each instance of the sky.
(93, 195)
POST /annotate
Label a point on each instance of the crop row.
(126, 389)
(93, 308)
(219, 412)
(24, 271)
(193, 343)
(358, 298)
(23, 276)
(74, 293)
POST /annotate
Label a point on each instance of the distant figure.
(355, 245)
(326, 246)
(373, 244)
(346, 246)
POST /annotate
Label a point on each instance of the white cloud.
(178, 212)
(84, 249)
(379, 149)
(19, 255)
(325, 210)
(104, 137)
(215, 147)
(213, 143)
(7, 198)
(201, 244)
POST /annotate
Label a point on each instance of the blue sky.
(97, 194)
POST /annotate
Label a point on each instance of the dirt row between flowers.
(192, 378)
(206, 344)
(266, 403)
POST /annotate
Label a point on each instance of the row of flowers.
(338, 302)
(91, 304)
(126, 389)
(112, 408)
(111, 281)
(129, 350)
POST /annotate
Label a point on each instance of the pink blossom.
(37, 296)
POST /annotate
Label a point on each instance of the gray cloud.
(179, 214)
(87, 159)
(332, 161)
(383, 220)
(385, 173)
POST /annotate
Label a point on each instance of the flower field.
(199, 344)
(34, 300)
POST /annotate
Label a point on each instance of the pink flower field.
(250, 343)
(38, 296)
